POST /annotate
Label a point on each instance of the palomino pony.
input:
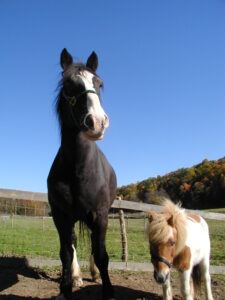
(81, 182)
(180, 240)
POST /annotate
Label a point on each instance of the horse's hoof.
(78, 282)
(60, 297)
(95, 277)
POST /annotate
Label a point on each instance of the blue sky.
(163, 67)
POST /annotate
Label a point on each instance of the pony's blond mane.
(159, 229)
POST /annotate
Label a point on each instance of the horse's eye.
(172, 243)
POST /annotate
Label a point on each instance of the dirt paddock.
(21, 282)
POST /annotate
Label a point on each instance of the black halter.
(73, 100)
(162, 259)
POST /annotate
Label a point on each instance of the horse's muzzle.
(95, 126)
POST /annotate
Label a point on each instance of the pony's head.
(167, 236)
(79, 105)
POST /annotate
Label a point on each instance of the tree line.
(24, 207)
(199, 187)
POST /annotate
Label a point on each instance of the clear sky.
(163, 67)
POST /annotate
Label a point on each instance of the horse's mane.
(160, 225)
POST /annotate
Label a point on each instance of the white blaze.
(93, 102)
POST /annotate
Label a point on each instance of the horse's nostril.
(89, 122)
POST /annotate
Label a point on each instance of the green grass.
(216, 210)
(217, 237)
(34, 237)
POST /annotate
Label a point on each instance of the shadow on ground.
(93, 292)
(11, 267)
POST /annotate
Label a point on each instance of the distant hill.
(199, 187)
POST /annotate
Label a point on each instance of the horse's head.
(79, 102)
(162, 241)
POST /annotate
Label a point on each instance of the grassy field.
(37, 237)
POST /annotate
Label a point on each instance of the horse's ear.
(92, 62)
(151, 216)
(65, 59)
(169, 219)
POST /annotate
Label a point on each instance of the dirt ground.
(21, 282)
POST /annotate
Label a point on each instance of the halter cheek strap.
(73, 100)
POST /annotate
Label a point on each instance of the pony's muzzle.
(160, 277)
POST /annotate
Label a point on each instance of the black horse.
(81, 182)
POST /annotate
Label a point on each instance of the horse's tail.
(84, 233)
(197, 279)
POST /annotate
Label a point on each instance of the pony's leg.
(75, 268)
(93, 269)
(207, 279)
(167, 291)
(185, 284)
(100, 255)
(192, 287)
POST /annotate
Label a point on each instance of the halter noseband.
(73, 100)
(162, 259)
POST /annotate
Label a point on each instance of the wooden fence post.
(123, 236)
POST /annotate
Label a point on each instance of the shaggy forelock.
(159, 230)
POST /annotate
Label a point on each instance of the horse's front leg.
(100, 255)
(66, 256)
(167, 291)
(65, 231)
(185, 284)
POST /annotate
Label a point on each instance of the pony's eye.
(172, 243)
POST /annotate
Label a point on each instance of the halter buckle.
(73, 100)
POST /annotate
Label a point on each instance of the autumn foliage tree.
(201, 186)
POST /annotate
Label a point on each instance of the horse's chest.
(89, 186)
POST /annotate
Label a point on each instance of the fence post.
(123, 236)
(12, 223)
(13, 206)
(144, 226)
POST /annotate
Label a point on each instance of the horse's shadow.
(11, 267)
(93, 292)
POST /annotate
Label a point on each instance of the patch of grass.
(216, 210)
(217, 237)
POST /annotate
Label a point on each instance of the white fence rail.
(120, 204)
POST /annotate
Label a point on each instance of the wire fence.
(36, 237)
